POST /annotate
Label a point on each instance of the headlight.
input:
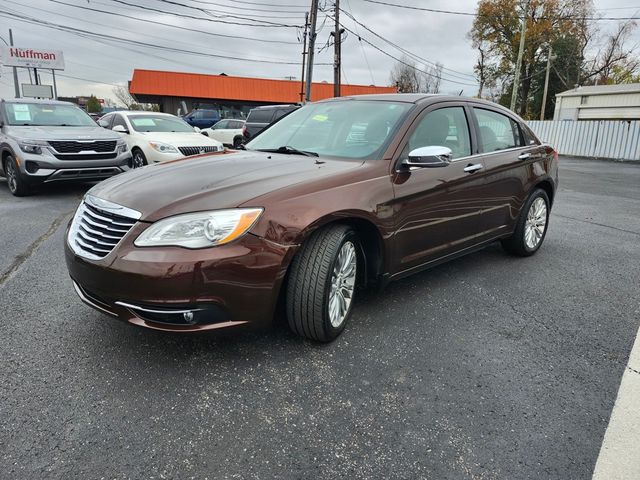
(163, 147)
(199, 230)
(32, 146)
(122, 147)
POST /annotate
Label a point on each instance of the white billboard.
(37, 91)
(31, 57)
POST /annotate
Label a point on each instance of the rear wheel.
(322, 284)
(17, 185)
(531, 227)
(138, 159)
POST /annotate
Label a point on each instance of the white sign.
(37, 91)
(31, 57)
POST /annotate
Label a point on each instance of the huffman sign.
(31, 57)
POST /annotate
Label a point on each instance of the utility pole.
(312, 48)
(15, 69)
(337, 56)
(304, 54)
(516, 80)
(546, 82)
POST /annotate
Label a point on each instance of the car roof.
(143, 112)
(418, 98)
(36, 100)
(269, 107)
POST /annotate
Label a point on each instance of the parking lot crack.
(596, 223)
(23, 257)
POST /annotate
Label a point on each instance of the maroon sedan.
(339, 195)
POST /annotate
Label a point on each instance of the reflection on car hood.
(180, 139)
(211, 182)
(62, 133)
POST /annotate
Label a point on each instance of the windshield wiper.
(286, 149)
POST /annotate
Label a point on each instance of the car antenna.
(460, 94)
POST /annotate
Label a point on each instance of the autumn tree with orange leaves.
(568, 26)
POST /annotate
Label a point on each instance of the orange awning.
(198, 85)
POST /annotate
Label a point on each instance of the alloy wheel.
(536, 223)
(343, 282)
(138, 160)
(12, 179)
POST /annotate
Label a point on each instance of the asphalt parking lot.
(487, 367)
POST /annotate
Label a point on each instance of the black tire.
(17, 185)
(517, 244)
(310, 283)
(237, 142)
(138, 159)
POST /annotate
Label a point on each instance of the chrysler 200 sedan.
(339, 195)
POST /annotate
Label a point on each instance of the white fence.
(599, 139)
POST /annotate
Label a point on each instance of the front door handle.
(524, 156)
(473, 167)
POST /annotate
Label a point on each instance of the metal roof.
(601, 90)
(224, 87)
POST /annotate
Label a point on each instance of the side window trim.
(474, 147)
(474, 106)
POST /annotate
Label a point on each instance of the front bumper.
(225, 286)
(46, 168)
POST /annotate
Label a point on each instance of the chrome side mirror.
(429, 157)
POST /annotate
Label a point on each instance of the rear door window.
(497, 131)
(260, 116)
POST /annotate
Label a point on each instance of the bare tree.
(408, 78)
(123, 95)
(405, 76)
(614, 57)
(432, 78)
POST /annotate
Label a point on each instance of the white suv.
(227, 131)
(44, 141)
(157, 137)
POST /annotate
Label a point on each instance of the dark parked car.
(338, 195)
(202, 117)
(261, 117)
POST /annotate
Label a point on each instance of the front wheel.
(322, 283)
(138, 159)
(237, 142)
(531, 227)
(17, 186)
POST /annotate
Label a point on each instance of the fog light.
(188, 317)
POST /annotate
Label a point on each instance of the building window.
(583, 100)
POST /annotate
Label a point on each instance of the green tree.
(93, 105)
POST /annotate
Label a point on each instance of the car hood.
(211, 182)
(180, 139)
(63, 133)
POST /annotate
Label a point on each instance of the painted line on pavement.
(619, 457)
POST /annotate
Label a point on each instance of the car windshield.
(46, 114)
(159, 123)
(342, 129)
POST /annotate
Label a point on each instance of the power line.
(473, 14)
(364, 54)
(174, 26)
(258, 9)
(454, 73)
(232, 14)
(214, 20)
(136, 42)
(402, 61)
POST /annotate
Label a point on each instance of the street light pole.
(546, 83)
(516, 80)
(15, 70)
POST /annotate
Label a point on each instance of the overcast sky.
(102, 62)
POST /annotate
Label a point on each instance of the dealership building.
(232, 96)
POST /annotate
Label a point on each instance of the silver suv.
(45, 141)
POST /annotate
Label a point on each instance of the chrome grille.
(188, 151)
(96, 231)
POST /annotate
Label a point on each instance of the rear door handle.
(524, 156)
(473, 167)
